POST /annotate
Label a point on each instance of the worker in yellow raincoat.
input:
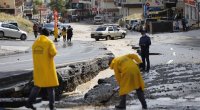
(56, 34)
(44, 74)
(129, 78)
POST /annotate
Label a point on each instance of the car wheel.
(23, 37)
(96, 39)
(1, 34)
(107, 37)
(123, 35)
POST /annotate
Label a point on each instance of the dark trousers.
(141, 98)
(35, 91)
(69, 38)
(145, 59)
(36, 34)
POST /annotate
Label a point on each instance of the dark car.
(73, 18)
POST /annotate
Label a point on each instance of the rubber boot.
(141, 98)
(122, 103)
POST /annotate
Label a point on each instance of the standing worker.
(44, 74)
(129, 78)
(56, 34)
(144, 44)
(69, 34)
(35, 29)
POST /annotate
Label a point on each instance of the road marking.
(170, 61)
(15, 62)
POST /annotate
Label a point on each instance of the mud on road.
(169, 80)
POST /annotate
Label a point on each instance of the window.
(101, 29)
(13, 27)
(110, 29)
(5, 25)
(115, 28)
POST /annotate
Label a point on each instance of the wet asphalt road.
(78, 51)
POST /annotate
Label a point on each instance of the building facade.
(13, 7)
(130, 7)
(191, 11)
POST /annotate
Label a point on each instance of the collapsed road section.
(16, 84)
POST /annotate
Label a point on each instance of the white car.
(108, 32)
(11, 31)
(98, 19)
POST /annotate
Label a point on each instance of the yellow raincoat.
(43, 51)
(56, 32)
(127, 73)
(64, 33)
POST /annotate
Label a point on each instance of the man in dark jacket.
(69, 34)
(144, 43)
(35, 30)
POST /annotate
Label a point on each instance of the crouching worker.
(44, 74)
(129, 78)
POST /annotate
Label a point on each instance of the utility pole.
(198, 11)
(56, 22)
(143, 8)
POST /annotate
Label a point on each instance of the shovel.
(108, 99)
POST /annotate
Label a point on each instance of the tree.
(36, 4)
(59, 5)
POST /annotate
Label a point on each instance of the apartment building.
(130, 7)
(14, 7)
(81, 7)
(191, 11)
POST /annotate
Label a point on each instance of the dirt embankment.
(24, 24)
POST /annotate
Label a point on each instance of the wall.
(190, 12)
(5, 3)
(133, 1)
(135, 11)
(155, 3)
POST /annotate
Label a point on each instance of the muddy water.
(83, 88)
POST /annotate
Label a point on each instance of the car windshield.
(97, 18)
(101, 29)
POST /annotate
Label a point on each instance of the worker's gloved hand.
(116, 89)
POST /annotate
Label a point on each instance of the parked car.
(108, 32)
(134, 23)
(73, 18)
(50, 27)
(12, 31)
(98, 19)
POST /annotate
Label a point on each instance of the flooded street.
(175, 48)
(172, 77)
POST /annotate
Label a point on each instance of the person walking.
(64, 32)
(35, 30)
(144, 44)
(177, 25)
(184, 24)
(128, 77)
(44, 71)
(69, 34)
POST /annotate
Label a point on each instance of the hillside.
(24, 24)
